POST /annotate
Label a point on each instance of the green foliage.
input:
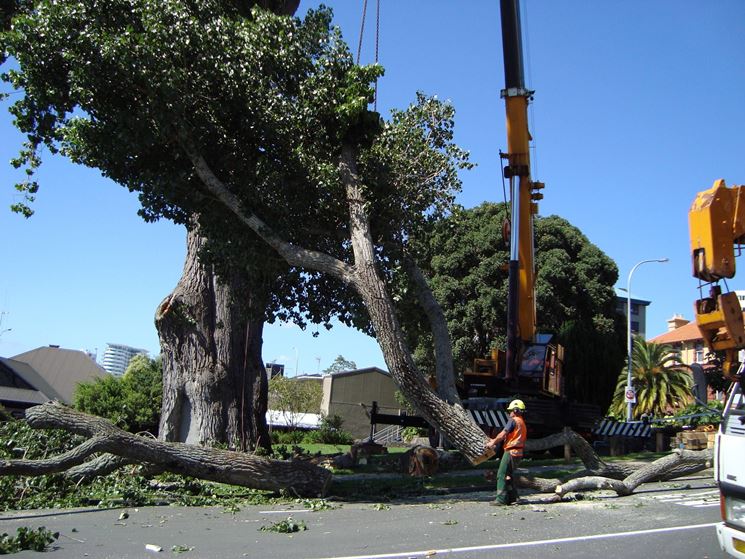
(662, 382)
(592, 360)
(26, 538)
(287, 526)
(129, 86)
(123, 487)
(329, 432)
(132, 402)
(293, 436)
(293, 397)
(409, 433)
(465, 257)
(714, 373)
(710, 414)
(339, 365)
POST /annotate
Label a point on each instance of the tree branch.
(292, 254)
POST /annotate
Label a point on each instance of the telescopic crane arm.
(521, 312)
(717, 225)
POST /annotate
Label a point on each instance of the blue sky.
(638, 106)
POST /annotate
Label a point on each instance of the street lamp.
(628, 328)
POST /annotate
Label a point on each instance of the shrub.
(131, 402)
(329, 432)
(294, 436)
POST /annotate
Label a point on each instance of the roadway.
(665, 520)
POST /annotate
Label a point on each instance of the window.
(699, 353)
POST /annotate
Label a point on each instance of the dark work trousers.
(506, 491)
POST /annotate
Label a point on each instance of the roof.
(61, 369)
(364, 371)
(621, 295)
(27, 373)
(22, 396)
(686, 333)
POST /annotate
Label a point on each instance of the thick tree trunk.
(223, 466)
(214, 383)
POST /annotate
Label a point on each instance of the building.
(638, 313)
(21, 387)
(116, 358)
(350, 394)
(52, 371)
(685, 337)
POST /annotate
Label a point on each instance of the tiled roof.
(686, 333)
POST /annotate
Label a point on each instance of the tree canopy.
(467, 254)
(257, 126)
(340, 364)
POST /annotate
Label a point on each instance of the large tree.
(213, 371)
(574, 295)
(207, 113)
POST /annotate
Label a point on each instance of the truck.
(717, 231)
(532, 365)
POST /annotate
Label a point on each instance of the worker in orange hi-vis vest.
(514, 435)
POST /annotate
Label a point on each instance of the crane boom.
(521, 312)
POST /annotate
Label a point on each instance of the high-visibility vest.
(514, 442)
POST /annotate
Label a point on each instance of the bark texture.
(214, 383)
(224, 466)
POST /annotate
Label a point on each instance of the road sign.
(630, 395)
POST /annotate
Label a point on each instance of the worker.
(513, 438)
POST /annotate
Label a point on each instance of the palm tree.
(661, 379)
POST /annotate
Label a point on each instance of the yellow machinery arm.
(717, 224)
(521, 315)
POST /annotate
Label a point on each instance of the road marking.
(454, 550)
(288, 511)
(703, 499)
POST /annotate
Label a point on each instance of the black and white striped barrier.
(610, 428)
(489, 418)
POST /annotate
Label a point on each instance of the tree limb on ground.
(222, 466)
(107, 448)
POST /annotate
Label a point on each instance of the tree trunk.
(223, 466)
(214, 383)
(443, 347)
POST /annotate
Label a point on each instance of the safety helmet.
(516, 405)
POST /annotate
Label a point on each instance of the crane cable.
(377, 40)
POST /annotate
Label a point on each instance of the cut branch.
(221, 466)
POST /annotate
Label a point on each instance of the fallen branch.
(210, 464)
(688, 461)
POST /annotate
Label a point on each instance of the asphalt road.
(667, 520)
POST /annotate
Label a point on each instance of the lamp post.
(628, 328)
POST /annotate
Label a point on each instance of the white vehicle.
(729, 470)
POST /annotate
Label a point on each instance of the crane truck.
(717, 231)
(531, 366)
